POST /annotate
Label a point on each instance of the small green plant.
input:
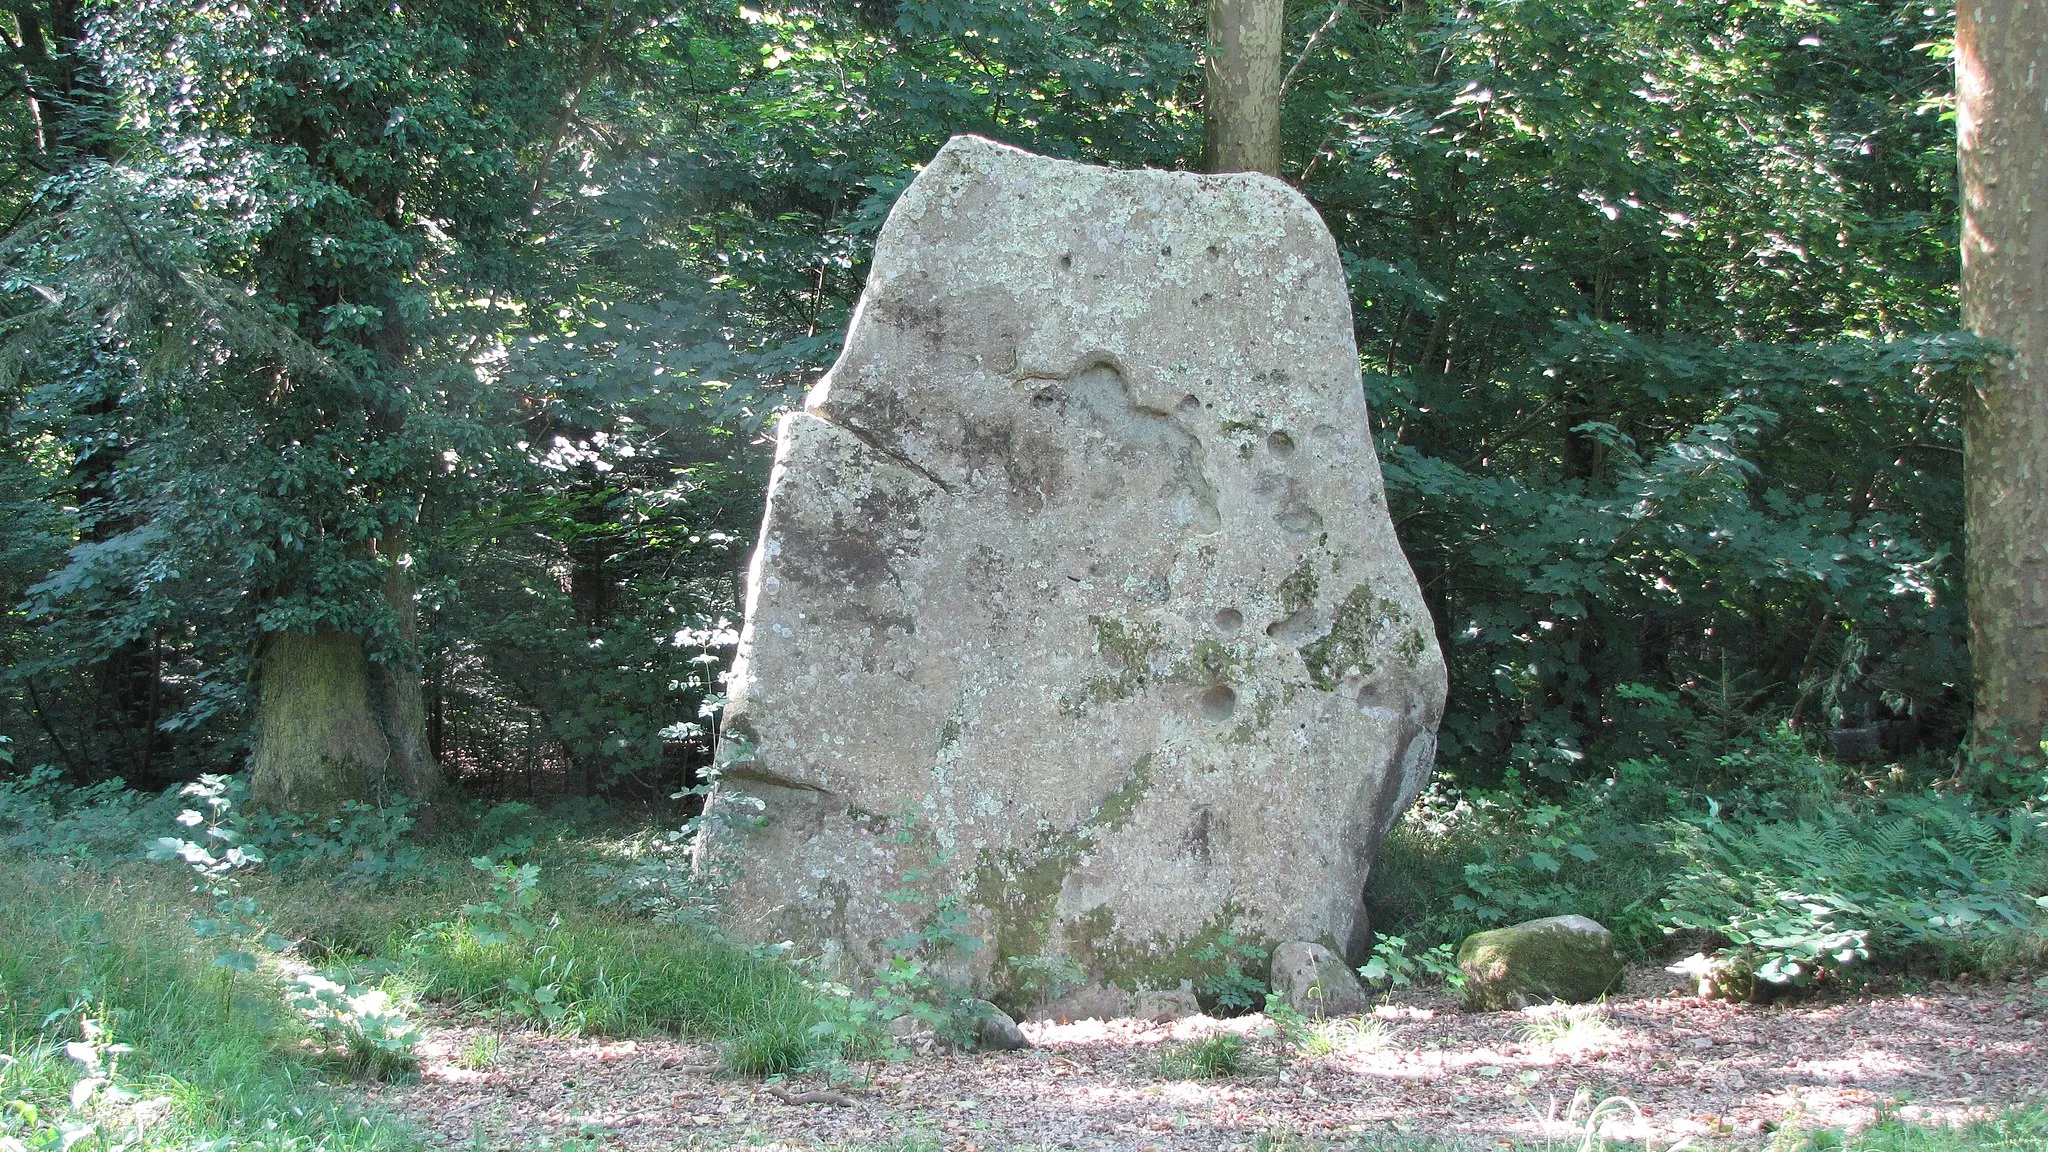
(1290, 1027)
(217, 860)
(375, 1036)
(1047, 977)
(1346, 1037)
(481, 1053)
(515, 890)
(535, 1001)
(1394, 964)
(1231, 986)
(907, 983)
(91, 1111)
(1217, 1057)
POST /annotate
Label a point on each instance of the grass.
(101, 984)
(1217, 1057)
(1346, 1036)
(2023, 1129)
(102, 961)
(481, 1053)
(585, 969)
(1568, 1026)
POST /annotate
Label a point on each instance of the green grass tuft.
(1217, 1057)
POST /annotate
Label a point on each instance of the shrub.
(1844, 884)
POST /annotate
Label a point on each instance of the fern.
(1835, 886)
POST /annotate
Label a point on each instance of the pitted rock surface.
(1077, 601)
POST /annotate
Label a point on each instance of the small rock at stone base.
(1314, 981)
(914, 1034)
(1166, 1007)
(1568, 958)
(994, 1030)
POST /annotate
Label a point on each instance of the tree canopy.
(452, 328)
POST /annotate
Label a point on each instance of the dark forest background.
(1656, 305)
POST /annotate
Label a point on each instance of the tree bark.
(334, 725)
(2002, 149)
(318, 739)
(1241, 107)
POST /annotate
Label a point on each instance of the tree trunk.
(334, 725)
(1241, 109)
(318, 739)
(2002, 145)
(401, 707)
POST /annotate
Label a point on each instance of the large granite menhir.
(1077, 598)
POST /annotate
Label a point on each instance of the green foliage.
(1794, 869)
(1648, 306)
(913, 980)
(659, 880)
(1458, 865)
(1393, 964)
(365, 844)
(1839, 885)
(515, 890)
(375, 1035)
(1234, 984)
(1290, 1027)
(40, 813)
(1047, 977)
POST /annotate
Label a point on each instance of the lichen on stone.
(1298, 590)
(1346, 649)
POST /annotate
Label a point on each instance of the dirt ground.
(1695, 1073)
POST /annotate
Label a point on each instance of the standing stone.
(1077, 602)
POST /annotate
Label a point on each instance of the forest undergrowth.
(222, 990)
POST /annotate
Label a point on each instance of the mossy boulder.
(1567, 958)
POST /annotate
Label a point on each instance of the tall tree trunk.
(400, 704)
(1241, 108)
(2002, 145)
(318, 738)
(332, 724)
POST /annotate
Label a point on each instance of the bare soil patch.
(1698, 1072)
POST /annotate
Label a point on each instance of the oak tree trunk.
(1241, 107)
(2002, 145)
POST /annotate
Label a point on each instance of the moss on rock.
(1568, 958)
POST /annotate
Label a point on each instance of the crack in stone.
(868, 438)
